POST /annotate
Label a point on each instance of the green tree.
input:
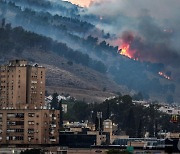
(139, 133)
(3, 22)
(127, 99)
(81, 111)
(54, 102)
(130, 124)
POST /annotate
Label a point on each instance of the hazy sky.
(81, 2)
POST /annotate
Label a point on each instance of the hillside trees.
(17, 39)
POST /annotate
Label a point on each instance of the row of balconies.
(15, 138)
(15, 115)
(15, 123)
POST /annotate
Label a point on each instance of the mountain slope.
(64, 73)
(89, 52)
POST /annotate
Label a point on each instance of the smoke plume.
(152, 27)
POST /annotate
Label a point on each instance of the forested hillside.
(16, 40)
(80, 42)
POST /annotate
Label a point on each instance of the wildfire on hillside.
(126, 50)
(165, 76)
(125, 46)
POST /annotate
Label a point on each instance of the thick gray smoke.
(155, 25)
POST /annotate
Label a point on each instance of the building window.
(31, 114)
(19, 115)
(19, 138)
(9, 138)
(30, 131)
(19, 122)
(30, 138)
(19, 130)
(11, 115)
(31, 122)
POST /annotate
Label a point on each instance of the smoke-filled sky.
(152, 25)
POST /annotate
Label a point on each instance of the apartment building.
(29, 127)
(22, 85)
(24, 119)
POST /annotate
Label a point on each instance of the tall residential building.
(22, 85)
(24, 119)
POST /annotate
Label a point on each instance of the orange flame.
(125, 50)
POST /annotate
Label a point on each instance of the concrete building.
(29, 126)
(22, 85)
(24, 119)
(171, 110)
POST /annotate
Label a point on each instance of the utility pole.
(99, 116)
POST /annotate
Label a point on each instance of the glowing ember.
(164, 75)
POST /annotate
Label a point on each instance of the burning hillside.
(125, 47)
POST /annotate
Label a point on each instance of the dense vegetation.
(17, 40)
(56, 7)
(132, 118)
(38, 17)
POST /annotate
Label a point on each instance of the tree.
(70, 63)
(127, 99)
(54, 102)
(98, 124)
(151, 125)
(130, 124)
(61, 114)
(139, 133)
(3, 23)
(108, 111)
(81, 111)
